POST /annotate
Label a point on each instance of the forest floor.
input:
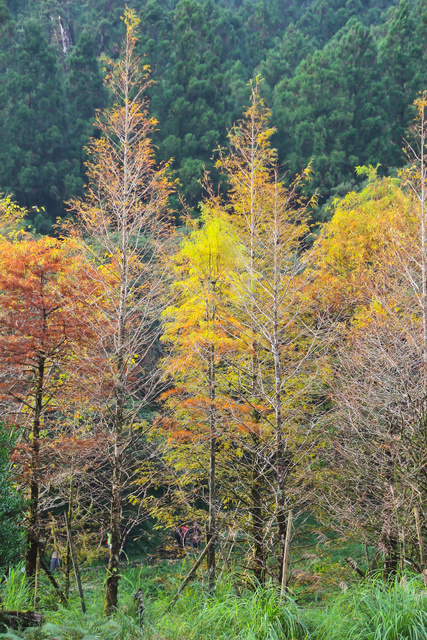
(318, 607)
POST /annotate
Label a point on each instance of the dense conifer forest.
(340, 78)
(213, 320)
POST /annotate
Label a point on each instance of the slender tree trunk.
(280, 462)
(285, 559)
(420, 539)
(113, 576)
(33, 515)
(36, 580)
(211, 559)
(112, 587)
(422, 200)
(257, 516)
(68, 552)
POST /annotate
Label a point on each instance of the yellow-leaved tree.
(371, 259)
(276, 368)
(244, 347)
(199, 347)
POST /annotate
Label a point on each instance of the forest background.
(339, 76)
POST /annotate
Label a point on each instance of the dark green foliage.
(266, 20)
(284, 57)
(399, 57)
(194, 52)
(33, 153)
(11, 508)
(340, 75)
(5, 16)
(324, 18)
(85, 93)
(334, 110)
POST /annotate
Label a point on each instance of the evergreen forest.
(213, 320)
(340, 77)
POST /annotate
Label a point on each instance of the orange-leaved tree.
(124, 220)
(42, 324)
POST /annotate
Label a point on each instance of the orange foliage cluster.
(44, 318)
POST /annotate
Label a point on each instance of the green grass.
(369, 610)
(373, 610)
(15, 592)
(257, 615)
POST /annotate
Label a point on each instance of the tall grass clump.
(374, 610)
(70, 623)
(370, 610)
(256, 615)
(14, 590)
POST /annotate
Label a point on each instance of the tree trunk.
(278, 379)
(37, 579)
(211, 560)
(420, 539)
(68, 552)
(257, 517)
(112, 587)
(33, 514)
(285, 559)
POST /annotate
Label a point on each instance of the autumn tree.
(124, 218)
(40, 328)
(196, 405)
(372, 256)
(275, 371)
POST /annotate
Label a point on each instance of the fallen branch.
(20, 619)
(75, 565)
(53, 581)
